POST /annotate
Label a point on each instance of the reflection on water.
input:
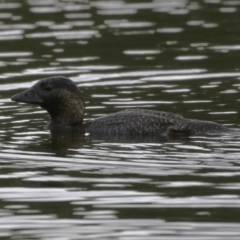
(177, 56)
(99, 184)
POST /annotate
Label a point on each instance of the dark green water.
(178, 56)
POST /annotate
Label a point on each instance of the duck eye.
(48, 88)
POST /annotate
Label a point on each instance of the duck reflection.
(63, 142)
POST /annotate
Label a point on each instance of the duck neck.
(67, 114)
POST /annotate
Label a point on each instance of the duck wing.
(197, 127)
(135, 122)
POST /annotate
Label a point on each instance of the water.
(178, 56)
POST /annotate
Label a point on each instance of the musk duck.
(63, 100)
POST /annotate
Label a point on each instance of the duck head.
(60, 97)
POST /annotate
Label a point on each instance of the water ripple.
(148, 54)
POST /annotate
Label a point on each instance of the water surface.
(176, 56)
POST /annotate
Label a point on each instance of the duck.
(63, 101)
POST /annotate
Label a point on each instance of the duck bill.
(28, 96)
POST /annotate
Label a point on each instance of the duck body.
(63, 100)
(149, 122)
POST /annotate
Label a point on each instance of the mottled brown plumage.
(149, 122)
(65, 105)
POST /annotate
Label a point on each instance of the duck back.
(150, 122)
